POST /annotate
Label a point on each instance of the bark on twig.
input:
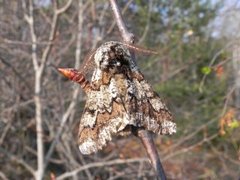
(144, 135)
(100, 164)
(37, 90)
(147, 140)
(127, 36)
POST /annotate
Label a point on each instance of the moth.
(118, 99)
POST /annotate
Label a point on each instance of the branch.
(147, 140)
(146, 29)
(62, 125)
(144, 135)
(18, 160)
(77, 89)
(30, 21)
(47, 50)
(100, 164)
(3, 176)
(38, 68)
(127, 36)
(110, 29)
(37, 89)
(64, 8)
(187, 149)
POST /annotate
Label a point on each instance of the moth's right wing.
(102, 118)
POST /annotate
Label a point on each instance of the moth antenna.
(75, 76)
(139, 48)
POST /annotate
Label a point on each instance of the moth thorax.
(111, 55)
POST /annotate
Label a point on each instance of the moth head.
(112, 56)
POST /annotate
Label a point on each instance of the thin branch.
(144, 135)
(3, 176)
(18, 160)
(187, 149)
(64, 8)
(79, 34)
(47, 50)
(147, 140)
(212, 62)
(30, 21)
(191, 135)
(5, 131)
(76, 90)
(16, 42)
(110, 29)
(38, 68)
(222, 154)
(62, 125)
(100, 164)
(146, 29)
(37, 90)
(127, 36)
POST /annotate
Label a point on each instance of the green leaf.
(206, 70)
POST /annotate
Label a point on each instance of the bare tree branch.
(30, 21)
(146, 29)
(76, 90)
(144, 135)
(100, 164)
(38, 114)
(147, 140)
(62, 125)
(114, 22)
(64, 8)
(38, 68)
(127, 36)
(18, 160)
(3, 176)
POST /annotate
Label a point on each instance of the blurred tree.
(227, 24)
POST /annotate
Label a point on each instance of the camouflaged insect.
(118, 98)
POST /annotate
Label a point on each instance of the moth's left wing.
(147, 110)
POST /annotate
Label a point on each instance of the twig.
(147, 140)
(39, 68)
(187, 149)
(146, 29)
(110, 29)
(191, 135)
(144, 135)
(62, 125)
(212, 62)
(18, 160)
(224, 155)
(37, 90)
(3, 176)
(100, 164)
(5, 131)
(77, 89)
(127, 36)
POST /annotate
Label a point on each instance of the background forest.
(197, 73)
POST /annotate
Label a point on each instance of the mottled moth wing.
(118, 98)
